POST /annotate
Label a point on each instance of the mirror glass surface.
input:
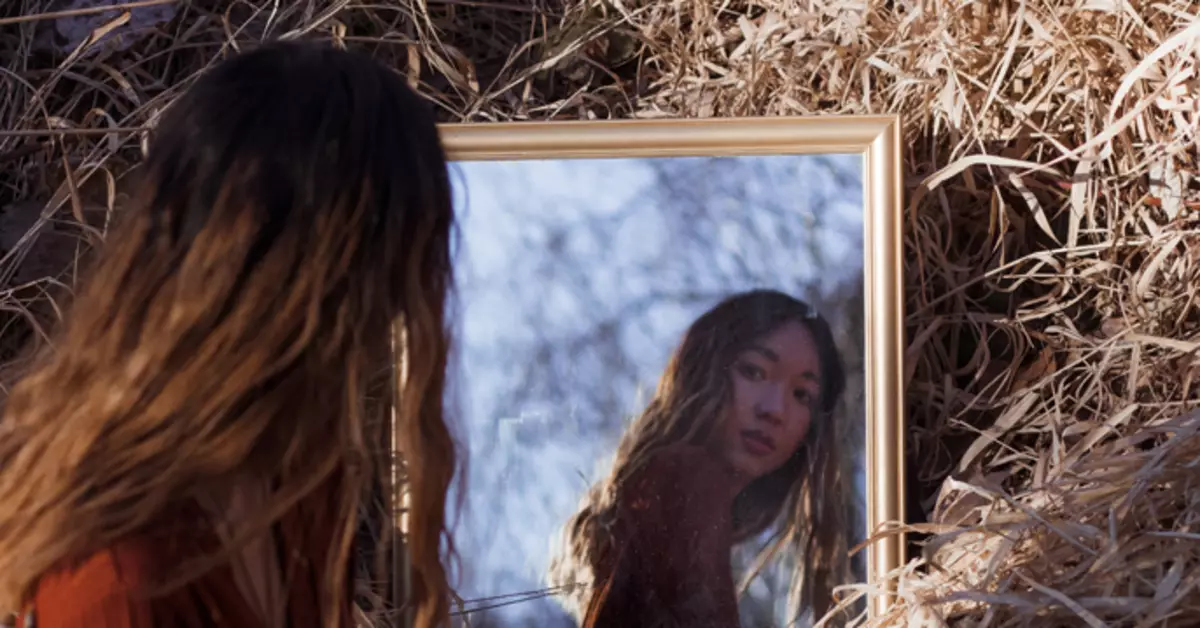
(577, 281)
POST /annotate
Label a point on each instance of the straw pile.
(1052, 243)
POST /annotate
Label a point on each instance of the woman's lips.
(757, 443)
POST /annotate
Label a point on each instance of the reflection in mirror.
(662, 368)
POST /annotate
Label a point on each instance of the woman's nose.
(769, 404)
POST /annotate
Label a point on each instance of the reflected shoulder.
(688, 464)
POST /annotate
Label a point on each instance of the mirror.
(666, 347)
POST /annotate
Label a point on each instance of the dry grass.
(1052, 236)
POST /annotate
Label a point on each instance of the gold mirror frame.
(877, 140)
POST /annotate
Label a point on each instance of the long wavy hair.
(293, 211)
(802, 502)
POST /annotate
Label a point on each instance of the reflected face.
(775, 385)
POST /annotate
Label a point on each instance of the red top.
(674, 534)
(107, 589)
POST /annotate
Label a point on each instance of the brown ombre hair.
(294, 206)
(801, 503)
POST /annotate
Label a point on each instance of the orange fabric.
(674, 535)
(108, 589)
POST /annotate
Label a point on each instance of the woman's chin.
(747, 467)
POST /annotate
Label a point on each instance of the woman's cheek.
(740, 396)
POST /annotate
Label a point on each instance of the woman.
(195, 448)
(738, 438)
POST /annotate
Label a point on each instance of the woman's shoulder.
(101, 589)
(142, 557)
(121, 586)
(125, 564)
(688, 461)
(684, 472)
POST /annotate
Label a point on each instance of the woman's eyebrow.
(765, 352)
(774, 357)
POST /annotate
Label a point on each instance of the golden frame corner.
(877, 140)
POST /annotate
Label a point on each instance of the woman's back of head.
(293, 204)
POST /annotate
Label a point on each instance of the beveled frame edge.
(877, 139)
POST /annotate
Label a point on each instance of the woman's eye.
(803, 396)
(751, 372)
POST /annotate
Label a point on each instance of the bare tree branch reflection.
(580, 277)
